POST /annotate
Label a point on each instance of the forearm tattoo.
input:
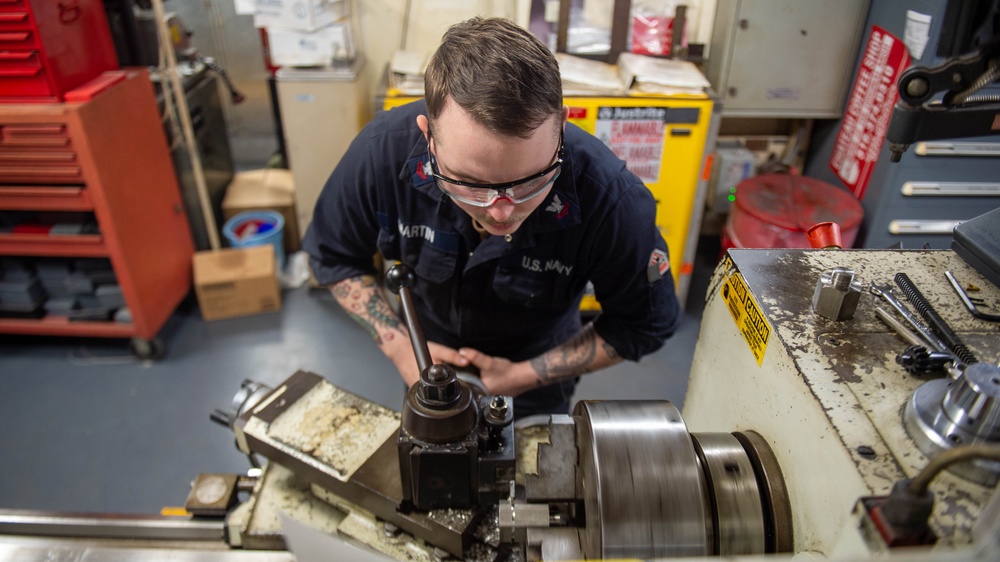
(570, 359)
(369, 309)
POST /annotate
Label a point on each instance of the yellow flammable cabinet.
(666, 140)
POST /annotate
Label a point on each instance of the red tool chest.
(48, 47)
(62, 159)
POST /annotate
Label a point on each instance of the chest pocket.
(433, 264)
(428, 261)
(533, 289)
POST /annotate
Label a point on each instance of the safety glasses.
(486, 194)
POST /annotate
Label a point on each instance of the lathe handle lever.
(399, 279)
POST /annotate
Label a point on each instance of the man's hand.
(362, 299)
(501, 376)
(406, 361)
(583, 353)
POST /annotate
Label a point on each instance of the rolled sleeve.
(341, 239)
(639, 310)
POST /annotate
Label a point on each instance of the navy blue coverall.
(515, 299)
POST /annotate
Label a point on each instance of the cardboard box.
(267, 189)
(327, 46)
(301, 15)
(236, 282)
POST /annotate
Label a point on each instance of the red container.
(776, 210)
(49, 47)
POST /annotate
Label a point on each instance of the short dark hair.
(498, 72)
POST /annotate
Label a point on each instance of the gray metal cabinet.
(784, 58)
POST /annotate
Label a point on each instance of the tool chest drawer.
(41, 153)
(48, 48)
(23, 76)
(18, 39)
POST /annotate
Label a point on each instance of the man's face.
(464, 150)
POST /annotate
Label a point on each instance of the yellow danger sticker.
(747, 314)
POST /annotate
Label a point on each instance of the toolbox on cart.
(48, 48)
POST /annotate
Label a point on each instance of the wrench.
(885, 291)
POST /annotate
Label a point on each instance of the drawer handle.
(13, 17)
(42, 192)
(68, 171)
(14, 36)
(19, 72)
(922, 226)
(37, 156)
(26, 130)
(34, 142)
(16, 55)
(950, 189)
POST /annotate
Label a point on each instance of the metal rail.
(108, 526)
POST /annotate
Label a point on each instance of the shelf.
(84, 245)
(18, 198)
(62, 326)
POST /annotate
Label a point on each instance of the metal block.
(556, 477)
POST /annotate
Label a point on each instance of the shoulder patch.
(658, 266)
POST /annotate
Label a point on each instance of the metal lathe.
(842, 404)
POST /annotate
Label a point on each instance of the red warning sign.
(862, 130)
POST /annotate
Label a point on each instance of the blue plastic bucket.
(257, 228)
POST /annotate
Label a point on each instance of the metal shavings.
(488, 530)
(454, 519)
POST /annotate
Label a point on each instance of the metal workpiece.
(516, 518)
(837, 294)
(942, 414)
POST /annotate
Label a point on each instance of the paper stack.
(584, 77)
(660, 76)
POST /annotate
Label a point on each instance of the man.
(505, 213)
